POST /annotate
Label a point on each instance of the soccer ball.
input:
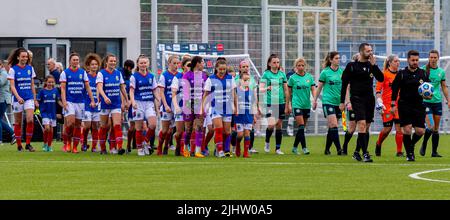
(426, 90)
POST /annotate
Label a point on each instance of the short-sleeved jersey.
(221, 90)
(276, 80)
(87, 100)
(22, 77)
(193, 84)
(301, 90)
(74, 79)
(143, 86)
(385, 88)
(437, 76)
(165, 82)
(48, 99)
(176, 84)
(252, 84)
(245, 103)
(332, 81)
(111, 86)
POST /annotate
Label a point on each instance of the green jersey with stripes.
(274, 96)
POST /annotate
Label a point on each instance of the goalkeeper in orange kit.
(384, 95)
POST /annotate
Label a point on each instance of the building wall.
(76, 19)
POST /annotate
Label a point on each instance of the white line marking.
(417, 176)
(221, 163)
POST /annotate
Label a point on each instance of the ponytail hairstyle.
(219, 62)
(12, 59)
(271, 57)
(140, 58)
(330, 56)
(428, 67)
(298, 60)
(195, 60)
(49, 76)
(105, 60)
(185, 60)
(388, 61)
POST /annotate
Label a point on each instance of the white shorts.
(179, 118)
(109, 112)
(208, 121)
(76, 109)
(224, 119)
(29, 104)
(167, 116)
(144, 110)
(91, 116)
(48, 121)
(242, 127)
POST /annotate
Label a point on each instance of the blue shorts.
(433, 108)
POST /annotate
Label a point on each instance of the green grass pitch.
(59, 175)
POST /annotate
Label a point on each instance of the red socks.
(192, 141)
(85, 136)
(102, 138)
(94, 138)
(29, 134)
(207, 139)
(218, 139)
(160, 142)
(18, 134)
(399, 141)
(50, 137)
(112, 140)
(139, 139)
(119, 136)
(76, 137)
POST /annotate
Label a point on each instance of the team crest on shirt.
(70, 77)
(365, 69)
(371, 75)
(150, 81)
(427, 110)
(106, 78)
(117, 78)
(421, 81)
(353, 115)
(29, 72)
(388, 116)
(81, 76)
(307, 81)
(54, 96)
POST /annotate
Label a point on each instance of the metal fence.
(293, 28)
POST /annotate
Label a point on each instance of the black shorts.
(433, 108)
(411, 115)
(306, 113)
(364, 107)
(276, 110)
(331, 110)
(391, 123)
(351, 115)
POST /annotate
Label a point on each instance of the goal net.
(210, 62)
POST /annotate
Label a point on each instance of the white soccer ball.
(426, 90)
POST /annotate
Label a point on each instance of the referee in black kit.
(359, 75)
(410, 104)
